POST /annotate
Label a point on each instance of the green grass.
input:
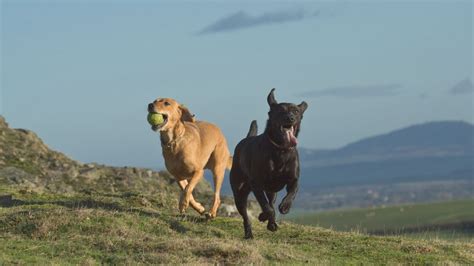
(450, 220)
(133, 228)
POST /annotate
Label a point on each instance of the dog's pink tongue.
(291, 137)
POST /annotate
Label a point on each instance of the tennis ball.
(155, 119)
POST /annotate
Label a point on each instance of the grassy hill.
(446, 219)
(130, 228)
(54, 210)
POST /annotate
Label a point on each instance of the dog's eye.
(167, 103)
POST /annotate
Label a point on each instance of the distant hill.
(433, 139)
(431, 151)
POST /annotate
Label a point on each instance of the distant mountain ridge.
(432, 139)
(442, 150)
(439, 133)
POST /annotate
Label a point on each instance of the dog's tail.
(253, 129)
(229, 162)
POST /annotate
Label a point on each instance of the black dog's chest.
(280, 171)
(279, 167)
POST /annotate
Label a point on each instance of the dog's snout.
(150, 107)
(292, 119)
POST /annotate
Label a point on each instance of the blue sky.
(80, 73)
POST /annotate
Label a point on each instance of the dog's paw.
(212, 213)
(209, 216)
(248, 234)
(272, 226)
(199, 208)
(183, 205)
(182, 217)
(284, 206)
(202, 211)
(264, 216)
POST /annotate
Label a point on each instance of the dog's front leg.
(291, 189)
(196, 205)
(272, 225)
(187, 193)
(267, 210)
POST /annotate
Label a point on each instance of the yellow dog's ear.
(186, 114)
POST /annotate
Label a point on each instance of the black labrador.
(266, 163)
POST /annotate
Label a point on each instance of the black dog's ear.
(271, 98)
(303, 105)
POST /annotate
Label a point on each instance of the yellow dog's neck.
(170, 136)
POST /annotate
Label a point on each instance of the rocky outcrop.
(3, 123)
(26, 161)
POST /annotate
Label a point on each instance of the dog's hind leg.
(194, 204)
(241, 190)
(241, 195)
(219, 161)
(218, 175)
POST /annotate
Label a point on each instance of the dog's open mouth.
(289, 131)
(158, 127)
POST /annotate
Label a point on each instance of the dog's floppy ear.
(303, 106)
(271, 98)
(186, 114)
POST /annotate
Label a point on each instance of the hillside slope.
(56, 210)
(28, 163)
(118, 229)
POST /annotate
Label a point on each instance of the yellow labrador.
(189, 147)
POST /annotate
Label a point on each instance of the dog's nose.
(150, 107)
(292, 119)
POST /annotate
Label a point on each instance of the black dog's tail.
(253, 129)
